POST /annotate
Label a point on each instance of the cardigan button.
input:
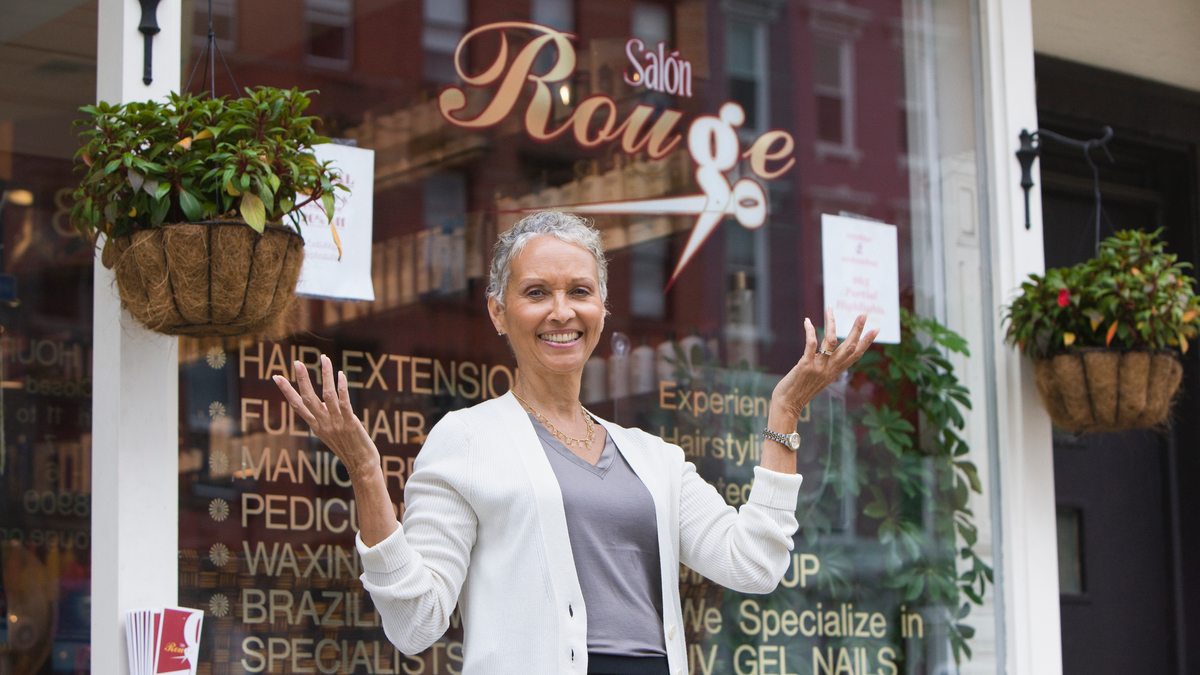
(671, 632)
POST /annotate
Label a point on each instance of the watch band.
(790, 441)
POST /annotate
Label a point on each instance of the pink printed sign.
(860, 261)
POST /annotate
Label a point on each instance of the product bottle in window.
(690, 345)
(642, 368)
(741, 335)
(618, 367)
(595, 380)
(666, 358)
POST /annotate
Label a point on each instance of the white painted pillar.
(135, 397)
(1026, 459)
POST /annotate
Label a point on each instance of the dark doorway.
(1128, 531)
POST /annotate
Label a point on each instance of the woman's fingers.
(830, 327)
(294, 400)
(329, 394)
(343, 394)
(856, 330)
(850, 344)
(332, 420)
(810, 341)
(865, 343)
(307, 394)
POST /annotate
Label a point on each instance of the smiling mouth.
(561, 338)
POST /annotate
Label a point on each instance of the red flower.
(1064, 296)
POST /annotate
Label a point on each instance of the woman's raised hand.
(820, 366)
(331, 417)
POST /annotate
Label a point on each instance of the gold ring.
(826, 352)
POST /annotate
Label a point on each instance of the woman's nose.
(561, 311)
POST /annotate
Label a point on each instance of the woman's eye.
(584, 292)
(535, 293)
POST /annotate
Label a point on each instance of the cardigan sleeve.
(747, 550)
(415, 575)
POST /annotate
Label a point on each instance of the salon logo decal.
(712, 140)
(660, 71)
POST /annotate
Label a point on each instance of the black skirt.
(604, 664)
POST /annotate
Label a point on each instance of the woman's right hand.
(332, 420)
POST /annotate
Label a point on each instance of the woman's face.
(552, 313)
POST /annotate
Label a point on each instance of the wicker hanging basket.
(208, 279)
(1105, 390)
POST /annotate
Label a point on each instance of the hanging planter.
(191, 195)
(1103, 334)
(1107, 390)
(208, 279)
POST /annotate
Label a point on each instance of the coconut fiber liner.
(208, 279)
(1102, 390)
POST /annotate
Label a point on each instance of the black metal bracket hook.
(1031, 148)
(1025, 155)
(148, 28)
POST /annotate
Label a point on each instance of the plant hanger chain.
(208, 56)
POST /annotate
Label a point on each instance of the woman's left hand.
(818, 368)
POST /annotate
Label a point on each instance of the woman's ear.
(497, 313)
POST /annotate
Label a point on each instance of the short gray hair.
(566, 227)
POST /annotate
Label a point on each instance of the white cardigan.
(484, 527)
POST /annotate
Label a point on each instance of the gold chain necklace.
(567, 440)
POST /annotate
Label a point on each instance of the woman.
(558, 534)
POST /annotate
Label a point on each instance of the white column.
(1026, 458)
(135, 409)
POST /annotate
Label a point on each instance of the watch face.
(794, 441)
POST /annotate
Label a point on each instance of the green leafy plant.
(150, 164)
(1133, 295)
(919, 478)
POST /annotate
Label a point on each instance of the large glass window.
(891, 571)
(47, 71)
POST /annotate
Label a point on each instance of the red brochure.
(163, 641)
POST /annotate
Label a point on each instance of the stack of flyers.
(163, 641)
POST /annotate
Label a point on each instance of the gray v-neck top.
(614, 540)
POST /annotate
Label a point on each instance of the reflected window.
(832, 89)
(651, 23)
(837, 29)
(746, 65)
(558, 14)
(445, 23)
(329, 28)
(441, 245)
(648, 275)
(1070, 550)
(224, 23)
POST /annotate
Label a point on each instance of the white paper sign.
(323, 275)
(862, 274)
